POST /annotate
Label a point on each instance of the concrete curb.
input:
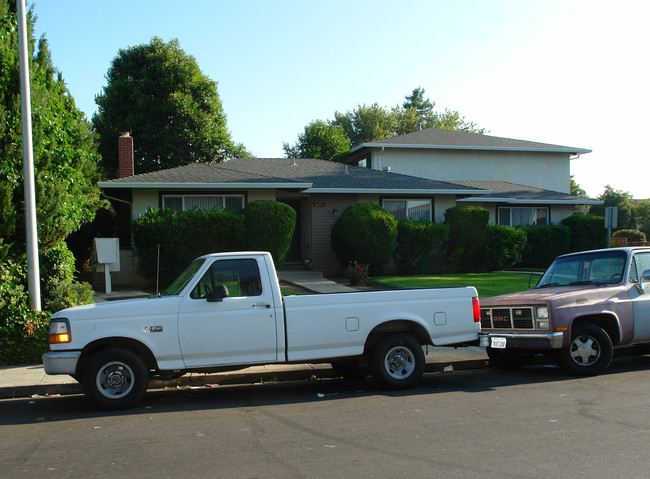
(254, 375)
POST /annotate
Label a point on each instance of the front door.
(239, 329)
(640, 302)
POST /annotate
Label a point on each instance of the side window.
(640, 263)
(240, 276)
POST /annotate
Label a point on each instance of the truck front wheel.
(397, 361)
(589, 352)
(115, 378)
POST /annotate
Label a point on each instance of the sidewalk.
(27, 381)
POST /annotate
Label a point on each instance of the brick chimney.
(125, 154)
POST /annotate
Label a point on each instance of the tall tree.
(174, 110)
(416, 101)
(65, 157)
(575, 188)
(620, 199)
(319, 140)
(642, 216)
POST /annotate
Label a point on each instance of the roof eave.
(199, 186)
(570, 151)
(530, 201)
(397, 191)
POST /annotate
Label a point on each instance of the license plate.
(498, 343)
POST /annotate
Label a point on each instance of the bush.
(23, 332)
(587, 232)
(364, 232)
(182, 237)
(269, 226)
(544, 244)
(467, 235)
(421, 247)
(504, 247)
(633, 236)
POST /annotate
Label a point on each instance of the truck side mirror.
(220, 291)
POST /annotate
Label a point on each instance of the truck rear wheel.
(397, 361)
(589, 353)
(115, 378)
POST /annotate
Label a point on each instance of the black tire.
(351, 368)
(397, 361)
(115, 379)
(508, 359)
(589, 353)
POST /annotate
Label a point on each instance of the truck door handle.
(262, 305)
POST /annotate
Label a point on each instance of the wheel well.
(607, 322)
(123, 343)
(416, 330)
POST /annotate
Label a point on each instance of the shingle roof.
(434, 138)
(504, 192)
(309, 175)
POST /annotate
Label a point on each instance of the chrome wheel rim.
(399, 362)
(115, 380)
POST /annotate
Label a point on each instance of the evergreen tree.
(65, 157)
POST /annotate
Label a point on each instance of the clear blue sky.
(569, 72)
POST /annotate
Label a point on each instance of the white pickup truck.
(225, 311)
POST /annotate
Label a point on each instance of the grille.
(507, 318)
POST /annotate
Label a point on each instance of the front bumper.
(61, 362)
(533, 341)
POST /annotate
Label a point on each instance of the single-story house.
(407, 176)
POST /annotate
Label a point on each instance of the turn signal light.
(59, 331)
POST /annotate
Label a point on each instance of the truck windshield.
(605, 267)
(179, 283)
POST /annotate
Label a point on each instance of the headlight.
(59, 331)
(542, 312)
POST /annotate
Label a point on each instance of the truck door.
(640, 302)
(238, 329)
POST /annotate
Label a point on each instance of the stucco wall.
(549, 171)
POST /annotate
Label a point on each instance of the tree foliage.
(642, 216)
(174, 110)
(620, 199)
(65, 156)
(319, 140)
(368, 123)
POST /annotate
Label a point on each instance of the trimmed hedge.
(182, 237)
(504, 247)
(269, 226)
(544, 244)
(467, 236)
(587, 232)
(421, 247)
(365, 232)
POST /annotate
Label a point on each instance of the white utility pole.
(33, 276)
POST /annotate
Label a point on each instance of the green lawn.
(487, 284)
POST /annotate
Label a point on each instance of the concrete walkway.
(27, 381)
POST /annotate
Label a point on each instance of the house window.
(233, 203)
(523, 216)
(417, 210)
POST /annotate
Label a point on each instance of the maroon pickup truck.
(586, 305)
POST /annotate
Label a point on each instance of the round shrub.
(269, 226)
(365, 232)
(633, 236)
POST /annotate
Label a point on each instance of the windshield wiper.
(548, 285)
(578, 283)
